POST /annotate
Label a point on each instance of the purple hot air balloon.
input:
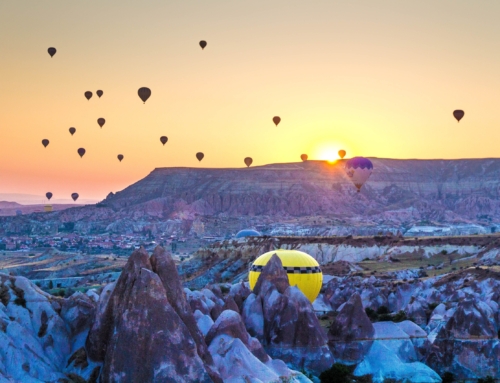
(358, 169)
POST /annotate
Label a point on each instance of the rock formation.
(140, 324)
(351, 333)
(291, 331)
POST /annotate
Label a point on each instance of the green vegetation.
(382, 315)
(407, 261)
(341, 373)
(4, 294)
(488, 379)
(19, 293)
(448, 377)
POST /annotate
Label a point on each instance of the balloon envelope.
(304, 157)
(276, 120)
(74, 196)
(99, 93)
(248, 161)
(45, 142)
(358, 169)
(458, 114)
(203, 44)
(52, 51)
(120, 157)
(200, 156)
(163, 139)
(101, 121)
(342, 153)
(88, 95)
(81, 152)
(48, 195)
(302, 271)
(72, 130)
(144, 94)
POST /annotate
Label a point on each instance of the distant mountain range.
(399, 192)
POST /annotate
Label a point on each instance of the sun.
(328, 151)
(329, 155)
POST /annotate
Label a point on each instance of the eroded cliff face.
(399, 191)
(465, 187)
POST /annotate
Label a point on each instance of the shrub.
(448, 377)
(488, 379)
(382, 310)
(399, 316)
(371, 314)
(433, 305)
(338, 373)
(444, 252)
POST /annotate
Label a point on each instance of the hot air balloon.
(48, 195)
(52, 51)
(302, 270)
(45, 142)
(200, 156)
(276, 120)
(81, 152)
(88, 95)
(99, 93)
(248, 161)
(203, 44)
(342, 153)
(120, 157)
(358, 169)
(304, 157)
(163, 139)
(74, 196)
(72, 130)
(144, 94)
(101, 121)
(458, 114)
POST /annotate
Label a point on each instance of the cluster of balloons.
(358, 169)
(74, 196)
(88, 94)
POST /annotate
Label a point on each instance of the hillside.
(400, 193)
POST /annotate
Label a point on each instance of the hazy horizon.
(376, 79)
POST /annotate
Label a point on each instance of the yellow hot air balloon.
(302, 270)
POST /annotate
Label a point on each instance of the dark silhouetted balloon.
(342, 153)
(248, 161)
(52, 51)
(120, 157)
(72, 130)
(101, 121)
(458, 114)
(45, 142)
(200, 156)
(48, 195)
(144, 94)
(304, 157)
(81, 152)
(74, 196)
(276, 120)
(163, 139)
(203, 44)
(88, 95)
(99, 93)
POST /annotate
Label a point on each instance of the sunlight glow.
(328, 152)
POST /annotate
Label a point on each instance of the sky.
(376, 78)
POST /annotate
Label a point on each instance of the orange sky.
(377, 78)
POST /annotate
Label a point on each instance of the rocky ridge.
(399, 194)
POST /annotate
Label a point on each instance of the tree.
(338, 373)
